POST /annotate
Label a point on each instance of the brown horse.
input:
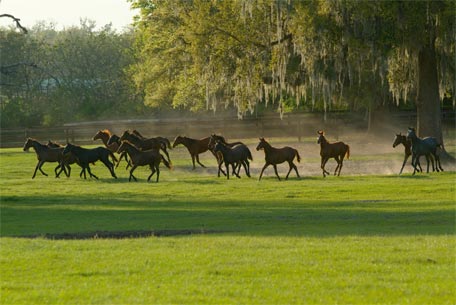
(234, 156)
(104, 136)
(328, 150)
(402, 139)
(274, 156)
(45, 154)
(194, 147)
(164, 140)
(142, 158)
(145, 143)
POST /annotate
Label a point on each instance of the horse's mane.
(106, 131)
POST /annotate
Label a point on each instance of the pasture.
(366, 237)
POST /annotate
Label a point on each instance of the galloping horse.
(141, 158)
(164, 140)
(104, 135)
(234, 156)
(145, 143)
(86, 156)
(212, 141)
(274, 156)
(194, 147)
(45, 154)
(402, 139)
(328, 150)
(427, 146)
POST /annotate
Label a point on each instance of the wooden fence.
(291, 125)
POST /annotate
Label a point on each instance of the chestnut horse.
(328, 150)
(274, 156)
(194, 147)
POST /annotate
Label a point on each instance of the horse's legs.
(289, 170)
(158, 171)
(166, 153)
(264, 167)
(227, 171)
(38, 167)
(323, 163)
(198, 160)
(83, 171)
(246, 165)
(90, 172)
(438, 165)
(292, 166)
(427, 161)
(338, 164)
(131, 173)
(236, 169)
(275, 170)
(110, 166)
(341, 164)
(193, 161)
(403, 163)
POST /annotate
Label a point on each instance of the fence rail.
(291, 125)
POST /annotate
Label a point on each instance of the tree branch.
(17, 20)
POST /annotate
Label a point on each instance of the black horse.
(235, 156)
(427, 147)
(212, 141)
(86, 156)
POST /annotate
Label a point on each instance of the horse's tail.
(297, 155)
(249, 155)
(168, 143)
(348, 152)
(167, 164)
(113, 157)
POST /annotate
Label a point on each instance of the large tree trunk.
(429, 117)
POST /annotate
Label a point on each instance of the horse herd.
(138, 150)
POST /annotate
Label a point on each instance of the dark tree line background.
(241, 57)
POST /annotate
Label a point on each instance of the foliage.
(49, 77)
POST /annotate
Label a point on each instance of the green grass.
(341, 240)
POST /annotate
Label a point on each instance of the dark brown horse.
(142, 158)
(234, 156)
(402, 139)
(45, 154)
(145, 143)
(86, 156)
(212, 141)
(328, 150)
(274, 156)
(194, 147)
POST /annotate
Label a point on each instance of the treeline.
(240, 55)
(49, 77)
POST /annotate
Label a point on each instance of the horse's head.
(124, 136)
(68, 148)
(28, 144)
(411, 133)
(262, 144)
(178, 140)
(398, 139)
(98, 135)
(321, 136)
(218, 146)
(213, 139)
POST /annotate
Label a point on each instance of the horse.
(234, 156)
(402, 139)
(274, 156)
(104, 135)
(212, 141)
(426, 146)
(86, 156)
(45, 154)
(145, 143)
(328, 150)
(194, 147)
(143, 157)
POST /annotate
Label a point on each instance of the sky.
(65, 13)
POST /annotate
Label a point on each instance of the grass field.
(354, 239)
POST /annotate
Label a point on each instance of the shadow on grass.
(81, 215)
